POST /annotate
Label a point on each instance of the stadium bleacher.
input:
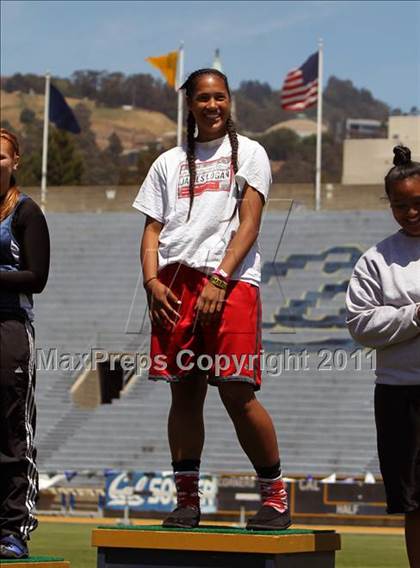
(323, 410)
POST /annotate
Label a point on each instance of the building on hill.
(364, 128)
(302, 126)
(367, 160)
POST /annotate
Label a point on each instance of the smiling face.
(210, 105)
(8, 163)
(405, 204)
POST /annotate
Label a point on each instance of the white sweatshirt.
(381, 307)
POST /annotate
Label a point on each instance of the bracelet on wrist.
(218, 282)
(221, 274)
(149, 280)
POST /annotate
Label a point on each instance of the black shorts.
(397, 416)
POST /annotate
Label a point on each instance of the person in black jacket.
(24, 267)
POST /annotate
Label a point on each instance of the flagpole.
(319, 129)
(180, 78)
(45, 142)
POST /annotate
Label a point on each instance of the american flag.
(300, 87)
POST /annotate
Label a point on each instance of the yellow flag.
(167, 66)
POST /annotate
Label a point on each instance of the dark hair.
(403, 167)
(189, 87)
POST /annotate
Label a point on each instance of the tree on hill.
(255, 91)
(65, 165)
(111, 91)
(29, 172)
(24, 83)
(112, 158)
(6, 124)
(280, 144)
(27, 116)
(258, 106)
(96, 169)
(30, 137)
(86, 84)
(300, 165)
(146, 159)
(115, 147)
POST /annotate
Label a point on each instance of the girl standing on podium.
(383, 305)
(24, 266)
(201, 268)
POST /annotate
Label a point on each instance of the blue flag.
(60, 112)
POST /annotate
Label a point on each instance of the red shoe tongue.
(273, 494)
(187, 490)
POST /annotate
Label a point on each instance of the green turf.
(34, 559)
(211, 529)
(72, 541)
(371, 551)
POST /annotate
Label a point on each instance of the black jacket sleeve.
(30, 229)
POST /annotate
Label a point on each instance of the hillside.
(259, 108)
(99, 98)
(257, 104)
(134, 127)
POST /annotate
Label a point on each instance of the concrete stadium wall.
(366, 161)
(119, 199)
(406, 129)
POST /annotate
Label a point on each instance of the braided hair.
(189, 87)
(403, 167)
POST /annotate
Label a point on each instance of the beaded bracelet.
(218, 282)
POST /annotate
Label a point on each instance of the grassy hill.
(134, 127)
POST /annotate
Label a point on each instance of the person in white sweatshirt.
(383, 312)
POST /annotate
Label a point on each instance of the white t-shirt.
(201, 243)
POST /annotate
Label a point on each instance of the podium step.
(222, 547)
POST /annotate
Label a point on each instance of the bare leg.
(185, 421)
(412, 537)
(253, 424)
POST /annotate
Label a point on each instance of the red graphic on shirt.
(214, 175)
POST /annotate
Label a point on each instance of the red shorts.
(227, 349)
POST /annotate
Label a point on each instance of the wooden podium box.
(213, 547)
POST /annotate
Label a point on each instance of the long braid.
(233, 139)
(191, 157)
(234, 143)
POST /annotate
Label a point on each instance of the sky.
(374, 44)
